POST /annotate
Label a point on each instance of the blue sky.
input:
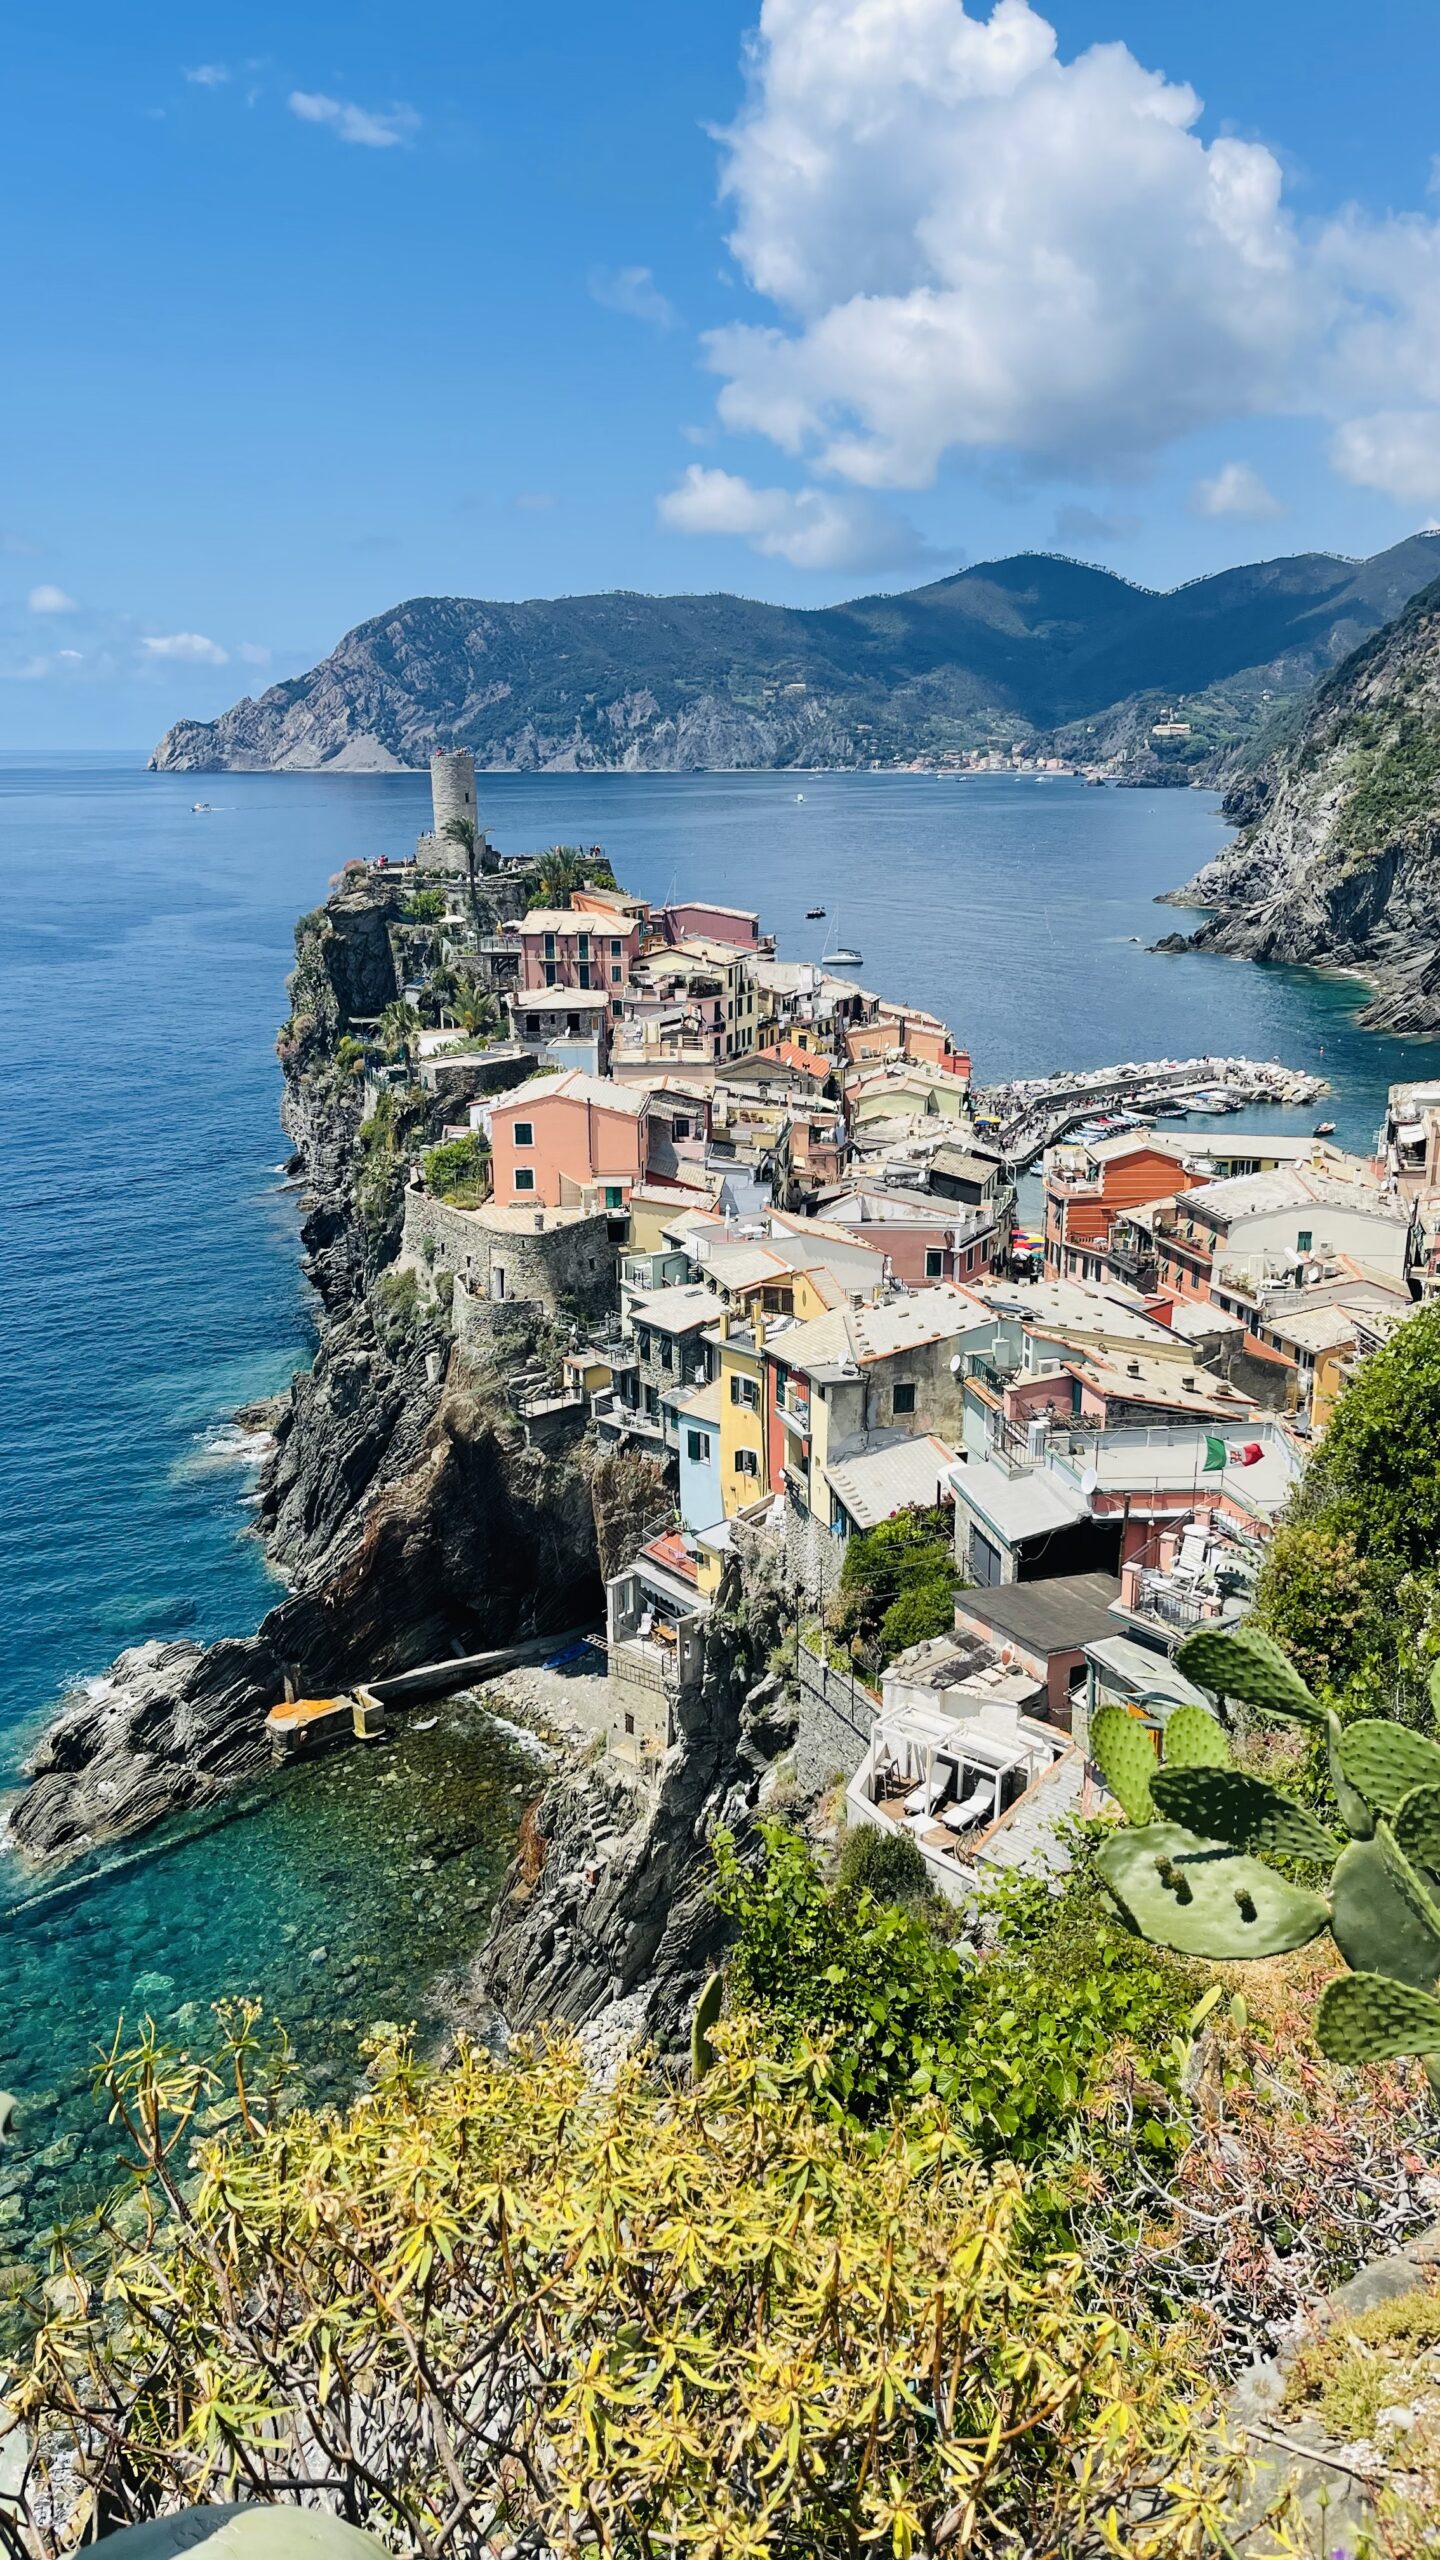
(310, 310)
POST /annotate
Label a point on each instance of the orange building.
(1087, 1189)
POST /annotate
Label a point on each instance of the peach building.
(558, 1138)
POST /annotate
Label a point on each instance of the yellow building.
(739, 1352)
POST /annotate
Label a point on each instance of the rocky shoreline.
(1335, 865)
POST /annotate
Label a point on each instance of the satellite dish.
(956, 1365)
(1089, 1483)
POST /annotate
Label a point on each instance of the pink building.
(559, 1137)
(564, 948)
(739, 925)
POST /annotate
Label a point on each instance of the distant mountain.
(1337, 864)
(1020, 647)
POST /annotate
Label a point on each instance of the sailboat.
(838, 956)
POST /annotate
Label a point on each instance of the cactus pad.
(1384, 1761)
(1194, 1739)
(1376, 1925)
(1123, 1751)
(1202, 1898)
(1416, 1825)
(1355, 1813)
(1247, 1813)
(707, 2015)
(1247, 1664)
(1364, 2017)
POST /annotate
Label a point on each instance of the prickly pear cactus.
(1384, 1761)
(1365, 2017)
(1416, 1825)
(1246, 1663)
(1245, 1812)
(1194, 1739)
(707, 2015)
(1123, 1751)
(1204, 1899)
(1375, 1922)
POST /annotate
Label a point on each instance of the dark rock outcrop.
(610, 1895)
(1337, 864)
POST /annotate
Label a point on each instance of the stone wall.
(563, 1269)
(835, 1722)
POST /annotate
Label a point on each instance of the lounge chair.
(979, 1803)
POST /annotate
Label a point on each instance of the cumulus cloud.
(973, 247)
(811, 528)
(1397, 451)
(1236, 491)
(633, 291)
(51, 600)
(209, 75)
(377, 130)
(192, 646)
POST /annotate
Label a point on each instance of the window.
(549, 946)
(615, 977)
(524, 1177)
(652, 1401)
(549, 973)
(934, 1262)
(746, 1463)
(984, 1562)
(682, 1129)
(745, 1391)
(667, 1352)
(904, 1399)
(584, 946)
(524, 1133)
(614, 1195)
(629, 1724)
(584, 975)
(1302, 1240)
(697, 1448)
(615, 954)
(642, 1341)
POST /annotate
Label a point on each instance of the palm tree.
(476, 1012)
(566, 867)
(397, 1028)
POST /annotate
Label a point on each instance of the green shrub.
(928, 1609)
(459, 1171)
(425, 906)
(883, 1566)
(884, 1863)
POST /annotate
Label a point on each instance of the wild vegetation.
(897, 1586)
(492, 2307)
(459, 1171)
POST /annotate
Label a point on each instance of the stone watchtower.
(452, 795)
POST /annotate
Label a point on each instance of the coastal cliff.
(402, 1503)
(1337, 863)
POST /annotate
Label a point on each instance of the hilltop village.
(765, 1221)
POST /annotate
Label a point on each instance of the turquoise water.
(152, 1281)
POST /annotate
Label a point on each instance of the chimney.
(724, 1324)
(759, 1330)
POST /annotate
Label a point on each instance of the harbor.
(1021, 1119)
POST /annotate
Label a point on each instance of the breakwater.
(1030, 1115)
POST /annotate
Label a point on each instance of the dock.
(1022, 1119)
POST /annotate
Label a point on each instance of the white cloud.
(72, 654)
(209, 75)
(378, 131)
(972, 247)
(633, 291)
(189, 645)
(250, 654)
(1237, 491)
(811, 528)
(1396, 451)
(51, 600)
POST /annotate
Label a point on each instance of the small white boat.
(843, 959)
(799, 796)
(201, 808)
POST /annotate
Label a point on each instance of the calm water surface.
(152, 1280)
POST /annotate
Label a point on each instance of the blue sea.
(152, 1279)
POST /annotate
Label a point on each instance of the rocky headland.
(401, 1503)
(1337, 863)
